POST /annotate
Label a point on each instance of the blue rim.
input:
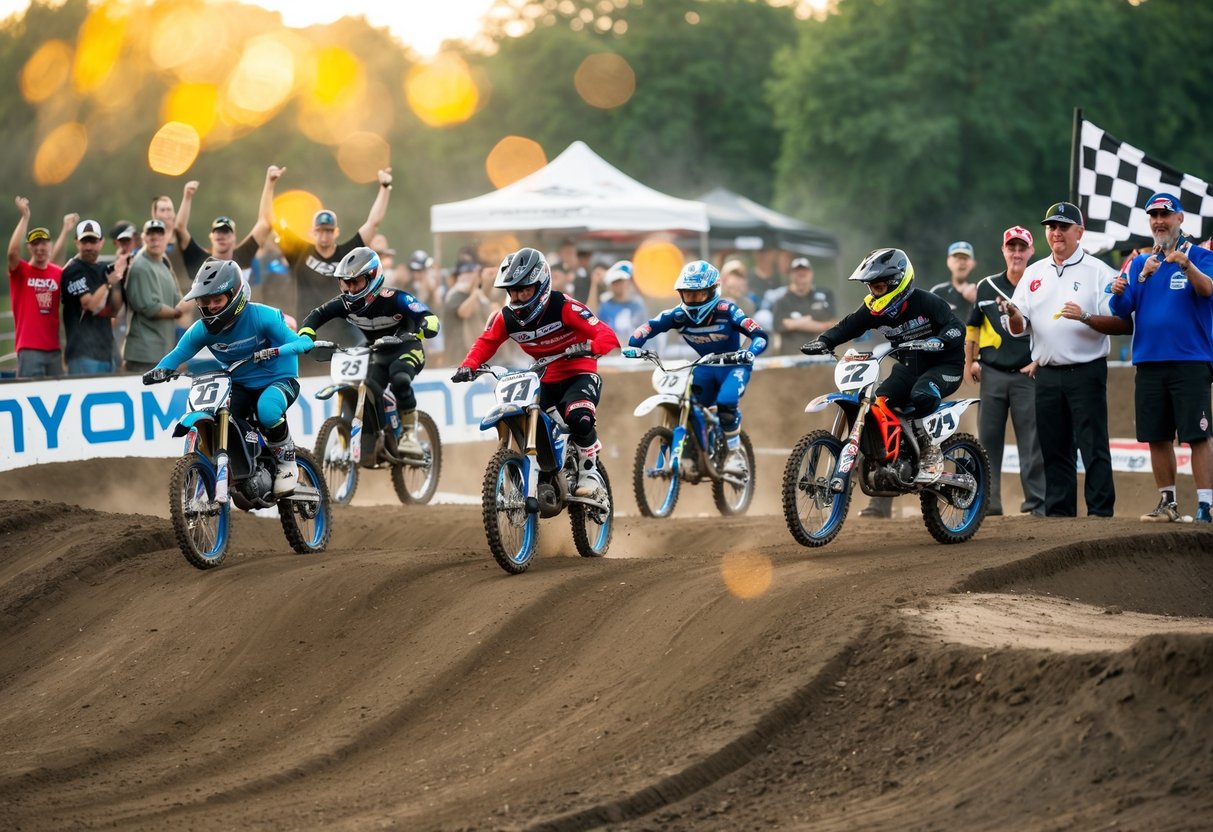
(206, 474)
(970, 463)
(321, 520)
(665, 458)
(527, 549)
(835, 517)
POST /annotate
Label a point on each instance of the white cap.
(88, 228)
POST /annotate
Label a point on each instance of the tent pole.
(704, 251)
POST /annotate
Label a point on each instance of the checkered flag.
(1116, 179)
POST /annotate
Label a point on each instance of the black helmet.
(359, 262)
(526, 267)
(889, 264)
(219, 277)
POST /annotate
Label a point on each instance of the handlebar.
(324, 350)
(738, 357)
(497, 371)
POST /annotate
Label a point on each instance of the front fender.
(500, 412)
(192, 420)
(843, 400)
(329, 391)
(653, 402)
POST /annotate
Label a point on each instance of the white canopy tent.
(578, 191)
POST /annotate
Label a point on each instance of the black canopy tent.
(740, 223)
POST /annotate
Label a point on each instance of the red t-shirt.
(35, 294)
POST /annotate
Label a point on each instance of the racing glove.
(156, 375)
(463, 374)
(581, 350)
(817, 347)
(745, 357)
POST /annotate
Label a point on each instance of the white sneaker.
(286, 475)
(735, 462)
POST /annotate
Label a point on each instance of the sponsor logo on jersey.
(416, 306)
(749, 325)
(1034, 285)
(44, 283)
(77, 287)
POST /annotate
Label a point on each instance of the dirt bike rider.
(711, 325)
(544, 323)
(900, 312)
(233, 328)
(378, 311)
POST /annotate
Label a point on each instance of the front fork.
(530, 455)
(222, 463)
(680, 437)
(850, 449)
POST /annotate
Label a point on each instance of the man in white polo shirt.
(1062, 301)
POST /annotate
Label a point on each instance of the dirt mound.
(708, 674)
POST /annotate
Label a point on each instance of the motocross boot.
(407, 444)
(287, 472)
(735, 461)
(589, 481)
(930, 458)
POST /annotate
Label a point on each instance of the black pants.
(1072, 411)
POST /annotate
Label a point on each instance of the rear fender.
(945, 421)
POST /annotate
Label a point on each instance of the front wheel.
(953, 513)
(511, 530)
(417, 483)
(735, 499)
(200, 524)
(812, 510)
(655, 480)
(592, 526)
(336, 455)
(307, 518)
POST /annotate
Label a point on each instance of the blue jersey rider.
(378, 311)
(710, 324)
(900, 312)
(234, 329)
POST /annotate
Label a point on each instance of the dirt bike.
(215, 472)
(818, 478)
(533, 473)
(363, 406)
(689, 444)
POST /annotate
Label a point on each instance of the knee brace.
(402, 387)
(579, 416)
(730, 417)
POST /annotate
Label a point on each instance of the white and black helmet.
(526, 267)
(220, 277)
(360, 262)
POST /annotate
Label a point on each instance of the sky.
(422, 24)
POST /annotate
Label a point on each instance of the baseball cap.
(1164, 202)
(154, 225)
(324, 218)
(224, 223)
(1017, 232)
(123, 230)
(734, 265)
(1063, 212)
(88, 228)
(619, 271)
(467, 267)
(961, 247)
(36, 234)
(800, 263)
(419, 261)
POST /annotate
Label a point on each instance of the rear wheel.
(654, 478)
(201, 525)
(336, 456)
(417, 483)
(510, 529)
(954, 513)
(307, 515)
(735, 499)
(812, 510)
(592, 526)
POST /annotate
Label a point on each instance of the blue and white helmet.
(695, 276)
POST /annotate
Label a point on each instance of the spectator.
(1169, 293)
(1003, 366)
(765, 277)
(621, 309)
(174, 253)
(92, 298)
(59, 250)
(34, 290)
(465, 311)
(123, 237)
(958, 291)
(1062, 301)
(735, 286)
(154, 301)
(223, 230)
(313, 264)
(578, 276)
(804, 311)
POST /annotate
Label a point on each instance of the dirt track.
(1050, 674)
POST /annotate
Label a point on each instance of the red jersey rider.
(545, 323)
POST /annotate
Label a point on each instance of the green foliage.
(917, 122)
